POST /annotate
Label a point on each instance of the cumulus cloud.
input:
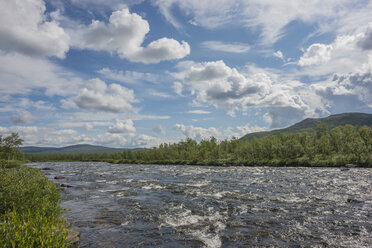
(346, 92)
(97, 95)
(159, 130)
(347, 53)
(197, 133)
(22, 117)
(235, 47)
(214, 83)
(366, 41)
(88, 126)
(24, 29)
(124, 35)
(122, 126)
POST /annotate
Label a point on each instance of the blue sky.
(136, 73)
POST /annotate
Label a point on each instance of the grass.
(30, 214)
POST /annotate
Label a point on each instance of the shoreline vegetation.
(340, 146)
(30, 211)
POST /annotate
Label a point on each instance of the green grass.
(30, 214)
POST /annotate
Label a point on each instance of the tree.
(9, 145)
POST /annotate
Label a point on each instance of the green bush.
(10, 164)
(36, 229)
(30, 213)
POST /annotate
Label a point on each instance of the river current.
(120, 205)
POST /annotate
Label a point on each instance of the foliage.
(324, 147)
(30, 213)
(32, 230)
(9, 145)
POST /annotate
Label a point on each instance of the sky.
(137, 73)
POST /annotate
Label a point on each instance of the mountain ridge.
(72, 149)
(310, 124)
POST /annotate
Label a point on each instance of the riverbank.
(324, 148)
(335, 161)
(30, 211)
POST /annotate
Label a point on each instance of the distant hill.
(310, 124)
(75, 149)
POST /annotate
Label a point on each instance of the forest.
(336, 147)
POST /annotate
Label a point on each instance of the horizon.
(138, 73)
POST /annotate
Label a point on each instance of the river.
(120, 205)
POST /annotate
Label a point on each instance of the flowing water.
(198, 206)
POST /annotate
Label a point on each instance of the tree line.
(335, 147)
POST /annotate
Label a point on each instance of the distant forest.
(336, 147)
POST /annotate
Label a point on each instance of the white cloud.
(197, 133)
(270, 17)
(124, 35)
(97, 95)
(122, 126)
(21, 75)
(250, 129)
(198, 112)
(100, 4)
(159, 130)
(24, 28)
(22, 117)
(178, 87)
(214, 83)
(126, 76)
(279, 55)
(160, 94)
(88, 126)
(347, 53)
(346, 92)
(234, 47)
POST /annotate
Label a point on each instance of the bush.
(4, 164)
(36, 229)
(30, 210)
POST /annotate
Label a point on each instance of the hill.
(310, 124)
(75, 149)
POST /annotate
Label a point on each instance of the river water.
(120, 205)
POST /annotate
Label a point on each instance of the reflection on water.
(192, 206)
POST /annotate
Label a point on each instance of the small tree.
(9, 145)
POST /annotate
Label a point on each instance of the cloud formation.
(330, 15)
(22, 117)
(122, 126)
(159, 130)
(126, 76)
(97, 95)
(226, 47)
(347, 53)
(214, 83)
(24, 29)
(124, 35)
(26, 74)
(197, 133)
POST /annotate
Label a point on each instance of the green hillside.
(310, 124)
(75, 149)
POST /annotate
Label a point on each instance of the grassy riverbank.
(30, 214)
